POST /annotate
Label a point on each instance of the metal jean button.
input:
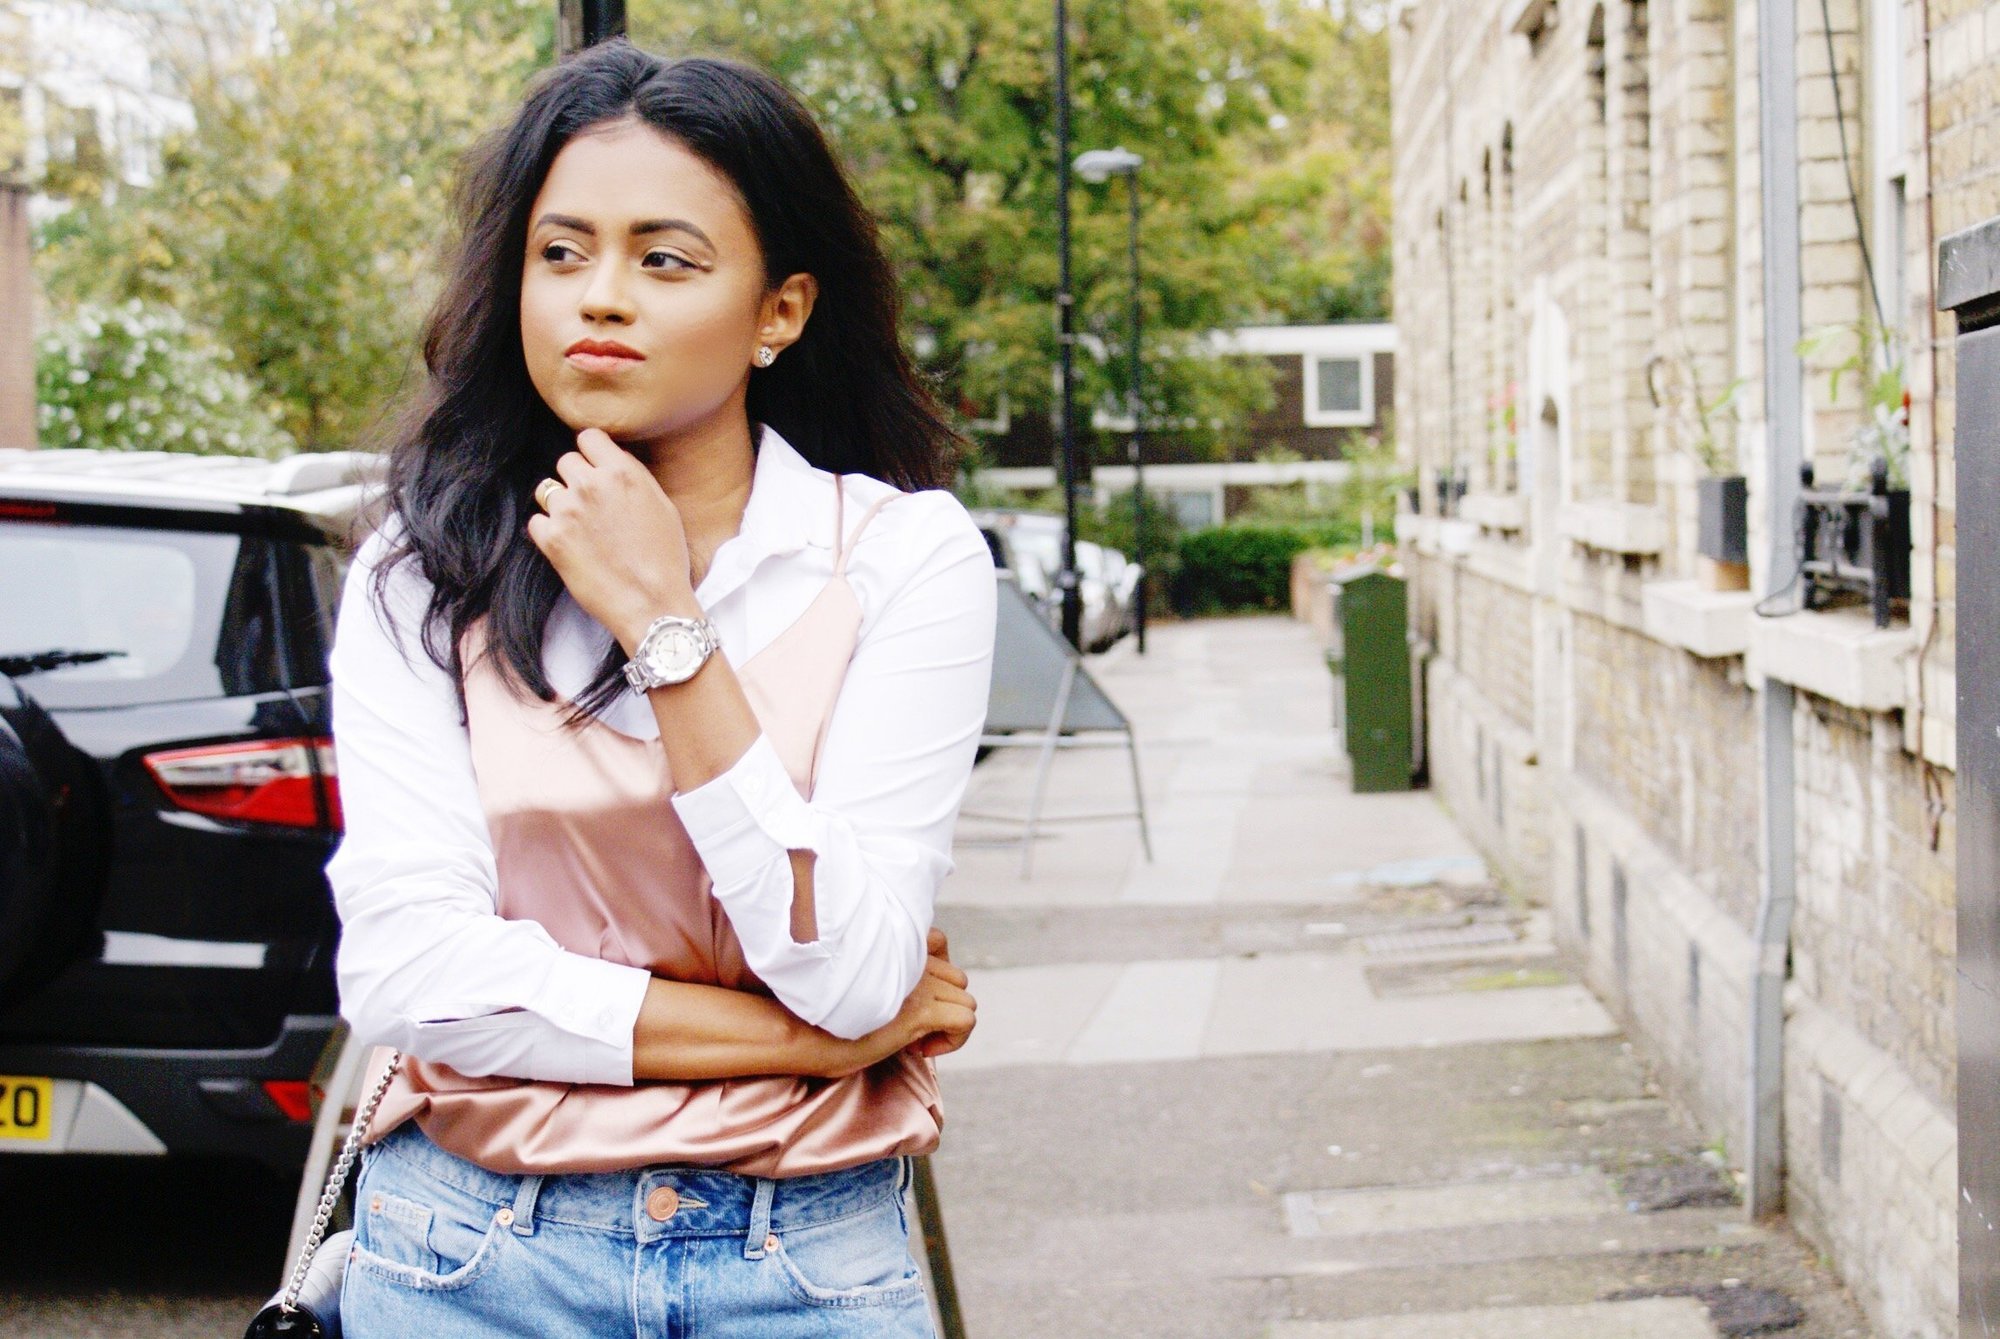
(663, 1203)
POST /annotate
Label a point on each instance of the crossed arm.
(425, 965)
(689, 1032)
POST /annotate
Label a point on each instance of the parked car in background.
(1032, 542)
(1017, 563)
(1103, 620)
(168, 798)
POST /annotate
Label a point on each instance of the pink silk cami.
(586, 843)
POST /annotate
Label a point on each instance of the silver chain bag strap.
(309, 1303)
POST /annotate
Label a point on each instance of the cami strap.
(847, 545)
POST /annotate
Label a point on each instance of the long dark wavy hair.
(472, 448)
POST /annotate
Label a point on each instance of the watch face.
(675, 654)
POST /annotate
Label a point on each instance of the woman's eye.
(663, 260)
(560, 253)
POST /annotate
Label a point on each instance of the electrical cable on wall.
(1847, 163)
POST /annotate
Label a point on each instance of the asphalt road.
(105, 1248)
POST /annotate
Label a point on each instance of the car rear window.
(181, 614)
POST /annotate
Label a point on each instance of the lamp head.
(1101, 164)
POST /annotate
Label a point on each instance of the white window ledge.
(1837, 654)
(1494, 511)
(1616, 527)
(1706, 623)
(1417, 530)
(1456, 536)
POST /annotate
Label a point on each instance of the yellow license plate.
(27, 1107)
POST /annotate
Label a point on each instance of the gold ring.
(544, 490)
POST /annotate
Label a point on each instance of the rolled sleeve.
(892, 771)
(748, 817)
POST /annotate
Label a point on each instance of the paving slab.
(1155, 1011)
(1333, 1213)
(1653, 1318)
(1092, 1013)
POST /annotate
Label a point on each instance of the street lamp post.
(1066, 580)
(1098, 165)
(584, 23)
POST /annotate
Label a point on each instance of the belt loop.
(524, 1205)
(760, 1220)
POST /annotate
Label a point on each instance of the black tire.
(53, 849)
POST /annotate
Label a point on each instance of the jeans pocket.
(425, 1234)
(862, 1260)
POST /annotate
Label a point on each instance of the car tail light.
(294, 1097)
(274, 781)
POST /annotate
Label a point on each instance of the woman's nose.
(607, 297)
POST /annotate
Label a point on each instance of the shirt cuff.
(749, 816)
(596, 1005)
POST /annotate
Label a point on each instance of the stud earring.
(765, 355)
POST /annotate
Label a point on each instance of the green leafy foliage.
(141, 378)
(1263, 127)
(1244, 567)
(1874, 359)
(300, 220)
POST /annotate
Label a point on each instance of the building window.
(1340, 391)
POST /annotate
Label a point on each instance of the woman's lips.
(590, 355)
(603, 362)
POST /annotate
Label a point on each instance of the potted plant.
(1855, 539)
(1705, 431)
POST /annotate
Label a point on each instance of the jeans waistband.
(704, 1201)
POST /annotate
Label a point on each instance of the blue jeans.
(445, 1249)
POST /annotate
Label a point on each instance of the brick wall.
(1492, 645)
(1582, 209)
(1876, 926)
(1675, 738)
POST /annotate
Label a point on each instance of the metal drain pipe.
(1784, 406)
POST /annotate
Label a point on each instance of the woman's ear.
(785, 311)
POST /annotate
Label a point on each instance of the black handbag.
(309, 1303)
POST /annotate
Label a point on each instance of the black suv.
(167, 798)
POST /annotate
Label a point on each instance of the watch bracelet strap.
(635, 672)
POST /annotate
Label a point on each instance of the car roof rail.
(315, 471)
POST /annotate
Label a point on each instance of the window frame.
(1315, 417)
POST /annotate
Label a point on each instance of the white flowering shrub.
(138, 377)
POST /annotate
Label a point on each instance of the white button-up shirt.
(428, 966)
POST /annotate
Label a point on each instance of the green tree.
(300, 220)
(141, 378)
(946, 113)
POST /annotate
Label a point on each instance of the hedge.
(1241, 567)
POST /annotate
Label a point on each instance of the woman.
(654, 706)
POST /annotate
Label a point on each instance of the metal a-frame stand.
(1043, 698)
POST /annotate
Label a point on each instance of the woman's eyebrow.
(643, 228)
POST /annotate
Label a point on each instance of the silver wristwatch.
(672, 650)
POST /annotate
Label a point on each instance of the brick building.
(1328, 383)
(1742, 821)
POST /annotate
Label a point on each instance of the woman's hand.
(935, 1020)
(615, 538)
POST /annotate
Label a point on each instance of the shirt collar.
(791, 506)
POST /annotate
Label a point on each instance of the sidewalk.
(1309, 1074)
